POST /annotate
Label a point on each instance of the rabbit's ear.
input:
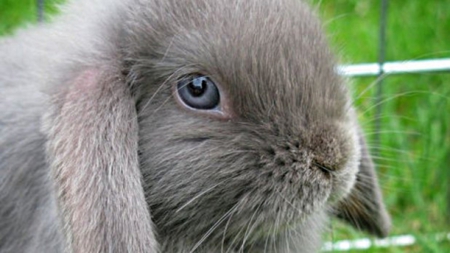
(363, 207)
(93, 153)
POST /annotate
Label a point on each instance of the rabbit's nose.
(293, 153)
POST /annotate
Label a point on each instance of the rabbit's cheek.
(344, 179)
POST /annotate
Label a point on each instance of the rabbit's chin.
(284, 205)
(265, 208)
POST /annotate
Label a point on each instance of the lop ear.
(93, 153)
(363, 207)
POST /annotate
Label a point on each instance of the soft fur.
(96, 155)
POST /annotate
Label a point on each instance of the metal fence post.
(379, 86)
(448, 185)
(40, 10)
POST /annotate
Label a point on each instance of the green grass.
(414, 155)
(19, 13)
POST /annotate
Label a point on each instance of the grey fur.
(89, 127)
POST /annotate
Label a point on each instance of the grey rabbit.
(178, 126)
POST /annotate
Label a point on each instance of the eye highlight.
(198, 92)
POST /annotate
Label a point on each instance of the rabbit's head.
(241, 115)
(244, 125)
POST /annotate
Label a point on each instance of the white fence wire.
(398, 67)
(365, 243)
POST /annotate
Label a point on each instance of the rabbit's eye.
(199, 92)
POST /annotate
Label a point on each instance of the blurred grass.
(414, 155)
(19, 13)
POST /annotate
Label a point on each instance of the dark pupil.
(198, 86)
(199, 92)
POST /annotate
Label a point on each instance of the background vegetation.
(414, 155)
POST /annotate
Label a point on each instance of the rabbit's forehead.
(267, 55)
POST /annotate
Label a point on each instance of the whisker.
(290, 203)
(211, 230)
(371, 85)
(250, 228)
(197, 196)
(388, 99)
(225, 231)
(161, 86)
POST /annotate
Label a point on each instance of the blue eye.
(199, 92)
